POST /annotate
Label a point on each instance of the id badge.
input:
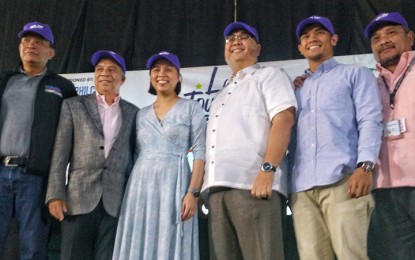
(402, 125)
(393, 129)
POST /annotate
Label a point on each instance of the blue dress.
(150, 225)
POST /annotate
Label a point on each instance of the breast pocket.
(333, 97)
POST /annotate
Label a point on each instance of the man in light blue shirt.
(338, 140)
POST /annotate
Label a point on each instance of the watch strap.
(194, 192)
(367, 166)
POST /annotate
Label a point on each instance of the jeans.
(22, 197)
(392, 227)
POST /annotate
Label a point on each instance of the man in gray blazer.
(96, 136)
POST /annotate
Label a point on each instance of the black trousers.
(88, 236)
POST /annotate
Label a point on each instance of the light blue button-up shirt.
(339, 124)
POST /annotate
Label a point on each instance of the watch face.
(267, 167)
(368, 166)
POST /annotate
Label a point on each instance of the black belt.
(217, 189)
(13, 161)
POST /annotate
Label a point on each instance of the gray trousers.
(89, 236)
(242, 227)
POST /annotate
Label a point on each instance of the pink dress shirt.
(110, 119)
(397, 157)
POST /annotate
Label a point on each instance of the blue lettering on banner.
(205, 102)
(84, 90)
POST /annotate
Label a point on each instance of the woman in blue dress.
(158, 218)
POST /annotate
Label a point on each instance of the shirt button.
(217, 115)
(212, 162)
(213, 130)
(223, 104)
(229, 93)
(213, 146)
(101, 147)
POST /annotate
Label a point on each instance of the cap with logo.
(41, 29)
(383, 19)
(314, 19)
(99, 55)
(241, 26)
(172, 58)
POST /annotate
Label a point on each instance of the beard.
(390, 61)
(317, 57)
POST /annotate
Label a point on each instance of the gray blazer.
(80, 142)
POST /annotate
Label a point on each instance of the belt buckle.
(7, 159)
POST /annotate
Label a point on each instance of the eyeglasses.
(232, 38)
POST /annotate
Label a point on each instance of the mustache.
(386, 46)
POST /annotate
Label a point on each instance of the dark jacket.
(51, 91)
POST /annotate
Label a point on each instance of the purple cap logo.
(324, 21)
(99, 55)
(41, 29)
(172, 58)
(383, 19)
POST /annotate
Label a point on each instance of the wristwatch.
(367, 166)
(194, 192)
(268, 167)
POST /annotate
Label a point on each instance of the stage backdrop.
(192, 29)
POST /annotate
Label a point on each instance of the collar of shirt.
(40, 74)
(102, 102)
(246, 71)
(110, 119)
(404, 61)
(324, 67)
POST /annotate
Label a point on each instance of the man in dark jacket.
(30, 106)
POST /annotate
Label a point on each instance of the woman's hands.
(189, 206)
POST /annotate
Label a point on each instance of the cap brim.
(99, 55)
(240, 26)
(157, 57)
(24, 32)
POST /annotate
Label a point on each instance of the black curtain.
(190, 28)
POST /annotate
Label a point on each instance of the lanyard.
(398, 84)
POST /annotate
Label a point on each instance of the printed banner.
(199, 83)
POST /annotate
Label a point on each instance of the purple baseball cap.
(99, 55)
(324, 21)
(172, 58)
(41, 29)
(384, 18)
(241, 26)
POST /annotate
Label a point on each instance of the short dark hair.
(152, 89)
